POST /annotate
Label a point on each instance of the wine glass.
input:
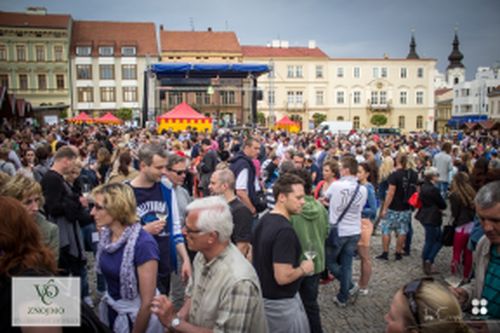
(310, 252)
(163, 217)
(85, 190)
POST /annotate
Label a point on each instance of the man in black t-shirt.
(222, 183)
(276, 253)
(396, 212)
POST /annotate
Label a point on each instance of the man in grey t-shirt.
(444, 164)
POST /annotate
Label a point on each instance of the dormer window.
(128, 51)
(106, 51)
(83, 51)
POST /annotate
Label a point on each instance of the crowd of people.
(234, 231)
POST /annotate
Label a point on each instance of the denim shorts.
(397, 221)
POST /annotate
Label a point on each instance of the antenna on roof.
(191, 23)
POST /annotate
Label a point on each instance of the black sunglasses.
(410, 291)
(178, 172)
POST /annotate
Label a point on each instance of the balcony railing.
(379, 107)
(296, 106)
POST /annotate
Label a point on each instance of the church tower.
(455, 73)
(413, 49)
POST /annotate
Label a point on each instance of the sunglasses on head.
(410, 291)
(178, 172)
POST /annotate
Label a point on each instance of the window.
(295, 97)
(3, 53)
(21, 53)
(290, 97)
(420, 97)
(298, 71)
(107, 72)
(60, 81)
(129, 72)
(199, 97)
(340, 72)
(319, 98)
(340, 97)
(174, 98)
(228, 97)
(401, 122)
(42, 82)
(375, 73)
(420, 72)
(403, 73)
(374, 99)
(85, 95)
(108, 94)
(456, 93)
(208, 98)
(290, 73)
(83, 51)
(4, 80)
(355, 123)
(58, 53)
(383, 72)
(319, 71)
(40, 53)
(383, 97)
(130, 94)
(106, 51)
(84, 72)
(420, 122)
(299, 97)
(403, 97)
(128, 51)
(357, 72)
(357, 97)
(271, 98)
(23, 81)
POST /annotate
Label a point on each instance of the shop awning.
(457, 122)
(189, 70)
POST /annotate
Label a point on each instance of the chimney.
(312, 44)
(161, 27)
(209, 29)
(36, 10)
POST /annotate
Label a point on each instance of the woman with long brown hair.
(22, 253)
(462, 196)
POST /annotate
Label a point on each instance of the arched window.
(420, 122)
(401, 122)
(355, 123)
(340, 118)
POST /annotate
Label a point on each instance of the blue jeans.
(432, 243)
(309, 295)
(443, 188)
(339, 262)
(409, 236)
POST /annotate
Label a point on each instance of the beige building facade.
(444, 103)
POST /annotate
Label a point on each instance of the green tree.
(378, 120)
(261, 119)
(124, 114)
(318, 118)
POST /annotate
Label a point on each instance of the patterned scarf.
(128, 280)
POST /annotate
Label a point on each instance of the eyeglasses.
(178, 172)
(410, 291)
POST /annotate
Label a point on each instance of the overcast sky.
(341, 28)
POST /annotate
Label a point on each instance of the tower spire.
(413, 47)
(456, 56)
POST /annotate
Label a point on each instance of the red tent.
(81, 118)
(287, 124)
(181, 117)
(182, 111)
(109, 118)
(285, 121)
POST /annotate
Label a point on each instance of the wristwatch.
(175, 322)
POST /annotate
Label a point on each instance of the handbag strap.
(348, 205)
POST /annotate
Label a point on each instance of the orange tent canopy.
(285, 121)
(182, 111)
(109, 118)
(82, 117)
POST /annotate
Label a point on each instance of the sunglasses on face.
(410, 291)
(178, 172)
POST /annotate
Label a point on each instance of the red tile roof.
(50, 21)
(282, 52)
(117, 34)
(199, 41)
(442, 91)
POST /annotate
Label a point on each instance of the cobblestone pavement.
(367, 314)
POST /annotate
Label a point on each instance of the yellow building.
(34, 61)
(444, 102)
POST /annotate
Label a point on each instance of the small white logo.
(479, 307)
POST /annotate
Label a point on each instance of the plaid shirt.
(225, 294)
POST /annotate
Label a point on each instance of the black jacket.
(461, 213)
(432, 205)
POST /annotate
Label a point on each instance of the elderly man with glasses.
(224, 293)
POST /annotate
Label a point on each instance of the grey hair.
(430, 172)
(226, 176)
(147, 151)
(213, 215)
(488, 196)
(174, 159)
